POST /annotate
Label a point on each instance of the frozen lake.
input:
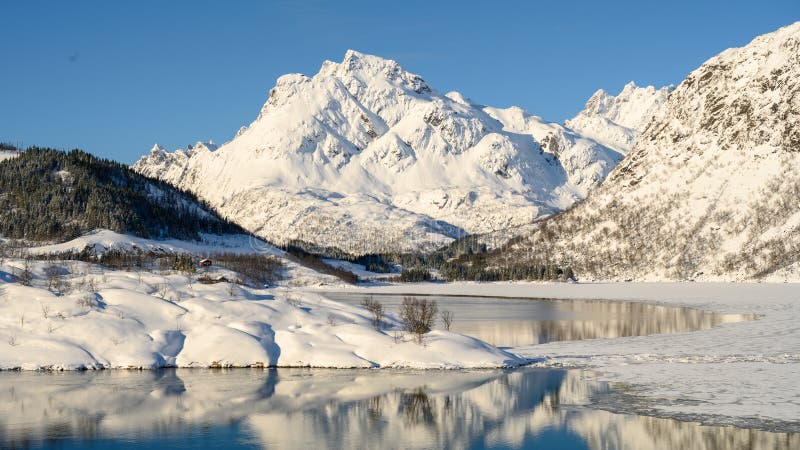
(515, 322)
(317, 408)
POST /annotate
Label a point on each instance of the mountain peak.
(351, 54)
(630, 86)
(459, 98)
(369, 146)
(616, 121)
(355, 62)
(597, 101)
(209, 146)
(363, 69)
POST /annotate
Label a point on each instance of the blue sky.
(114, 78)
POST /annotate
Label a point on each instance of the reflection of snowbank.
(301, 408)
(117, 319)
(736, 373)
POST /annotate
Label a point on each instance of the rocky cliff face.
(711, 189)
(368, 157)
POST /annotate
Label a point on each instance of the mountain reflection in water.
(304, 408)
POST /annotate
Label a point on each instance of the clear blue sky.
(114, 78)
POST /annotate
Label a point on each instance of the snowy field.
(738, 373)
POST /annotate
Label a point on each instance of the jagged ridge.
(367, 147)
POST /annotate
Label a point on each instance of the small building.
(204, 263)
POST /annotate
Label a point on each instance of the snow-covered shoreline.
(147, 320)
(738, 373)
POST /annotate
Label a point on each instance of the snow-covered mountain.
(366, 156)
(616, 122)
(711, 189)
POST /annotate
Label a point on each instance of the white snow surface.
(366, 146)
(733, 373)
(120, 319)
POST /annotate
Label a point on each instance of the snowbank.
(116, 319)
(736, 373)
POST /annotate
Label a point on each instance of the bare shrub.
(447, 319)
(87, 301)
(418, 315)
(56, 282)
(376, 309)
(45, 310)
(294, 301)
(161, 290)
(331, 320)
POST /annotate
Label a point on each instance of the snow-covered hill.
(711, 189)
(366, 156)
(100, 241)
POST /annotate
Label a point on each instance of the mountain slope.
(711, 189)
(367, 157)
(52, 195)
